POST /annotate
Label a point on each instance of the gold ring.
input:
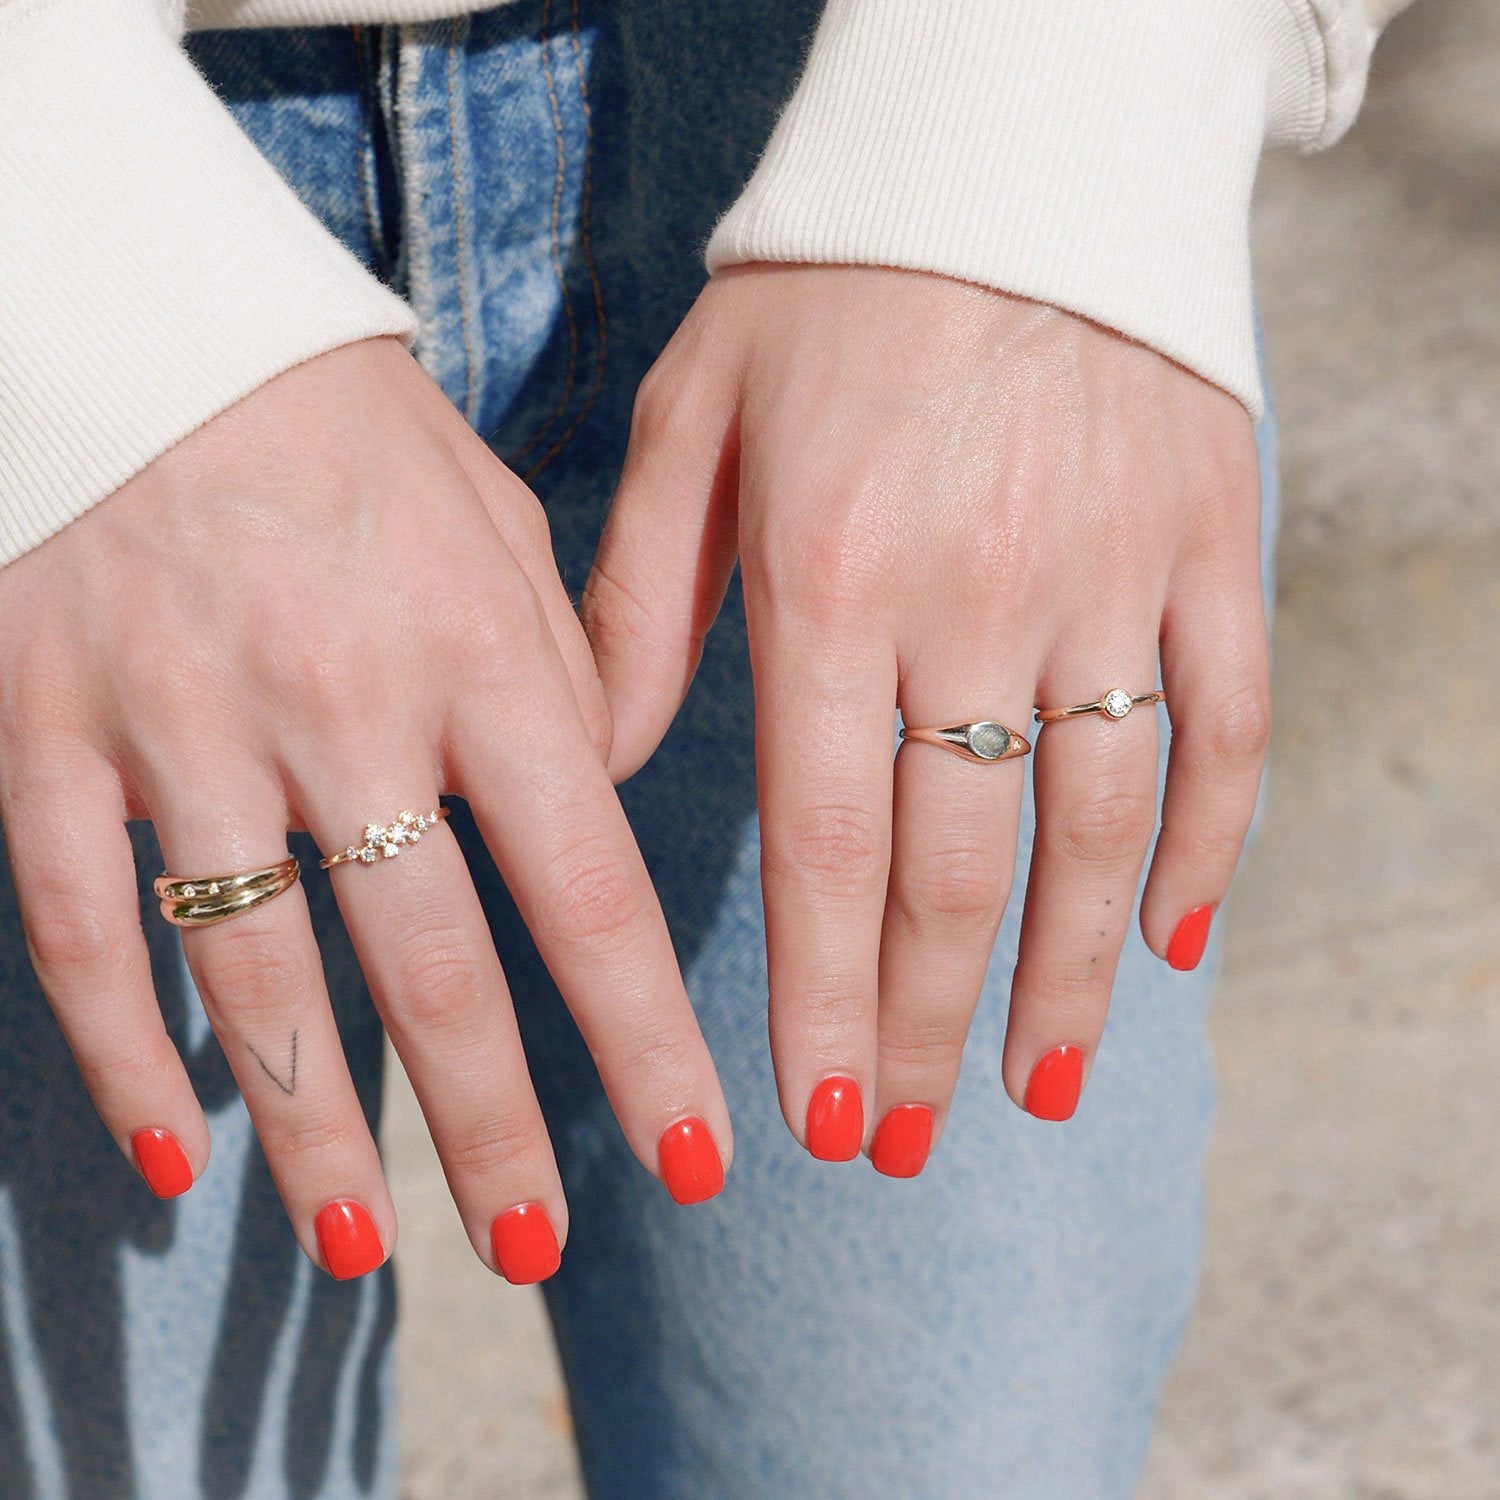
(984, 740)
(202, 900)
(386, 842)
(1115, 704)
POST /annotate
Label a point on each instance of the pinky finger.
(1216, 673)
(76, 888)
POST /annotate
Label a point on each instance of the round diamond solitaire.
(1117, 703)
(989, 741)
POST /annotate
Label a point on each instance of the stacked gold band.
(202, 900)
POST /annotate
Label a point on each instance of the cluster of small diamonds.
(385, 843)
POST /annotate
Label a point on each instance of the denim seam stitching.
(586, 238)
(559, 181)
(460, 218)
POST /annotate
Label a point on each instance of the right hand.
(330, 603)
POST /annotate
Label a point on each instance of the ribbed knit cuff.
(154, 268)
(1097, 155)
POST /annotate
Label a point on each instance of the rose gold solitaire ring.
(386, 842)
(984, 740)
(1115, 704)
(202, 900)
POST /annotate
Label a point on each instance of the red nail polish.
(1053, 1088)
(689, 1161)
(835, 1120)
(902, 1140)
(163, 1163)
(1190, 939)
(348, 1240)
(525, 1244)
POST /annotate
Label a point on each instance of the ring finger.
(1095, 785)
(261, 980)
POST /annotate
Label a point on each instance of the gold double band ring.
(388, 840)
(984, 740)
(1115, 704)
(202, 900)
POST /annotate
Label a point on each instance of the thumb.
(662, 567)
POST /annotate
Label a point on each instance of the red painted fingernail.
(689, 1161)
(1190, 939)
(835, 1120)
(163, 1163)
(1053, 1088)
(902, 1141)
(348, 1240)
(525, 1244)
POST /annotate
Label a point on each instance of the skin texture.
(319, 609)
(963, 504)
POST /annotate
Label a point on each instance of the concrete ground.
(1347, 1342)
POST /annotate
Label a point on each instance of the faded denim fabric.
(540, 180)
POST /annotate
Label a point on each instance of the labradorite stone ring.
(984, 740)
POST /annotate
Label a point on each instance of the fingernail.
(162, 1162)
(525, 1244)
(902, 1140)
(689, 1161)
(347, 1239)
(835, 1120)
(1052, 1090)
(1190, 939)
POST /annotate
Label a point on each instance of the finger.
(952, 860)
(1216, 673)
(75, 883)
(261, 980)
(663, 562)
(521, 521)
(1095, 814)
(825, 691)
(557, 831)
(425, 947)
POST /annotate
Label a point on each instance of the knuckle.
(1067, 984)
(242, 966)
(311, 1135)
(323, 666)
(1111, 826)
(962, 886)
(599, 897)
(438, 979)
(826, 1009)
(837, 845)
(659, 1050)
(493, 635)
(839, 564)
(1211, 846)
(494, 1144)
(64, 934)
(922, 1048)
(1241, 726)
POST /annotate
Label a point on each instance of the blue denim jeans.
(540, 180)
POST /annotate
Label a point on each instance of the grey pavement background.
(1347, 1342)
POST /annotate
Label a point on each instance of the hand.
(964, 504)
(329, 604)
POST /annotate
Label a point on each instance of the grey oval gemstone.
(988, 740)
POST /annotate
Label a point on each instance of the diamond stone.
(213, 888)
(190, 890)
(390, 851)
(1117, 703)
(988, 741)
(367, 855)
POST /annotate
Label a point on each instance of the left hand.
(962, 504)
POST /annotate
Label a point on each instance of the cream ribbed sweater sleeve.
(153, 266)
(1094, 154)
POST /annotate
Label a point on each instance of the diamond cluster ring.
(984, 740)
(388, 841)
(1115, 704)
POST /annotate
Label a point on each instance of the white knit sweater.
(1094, 154)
